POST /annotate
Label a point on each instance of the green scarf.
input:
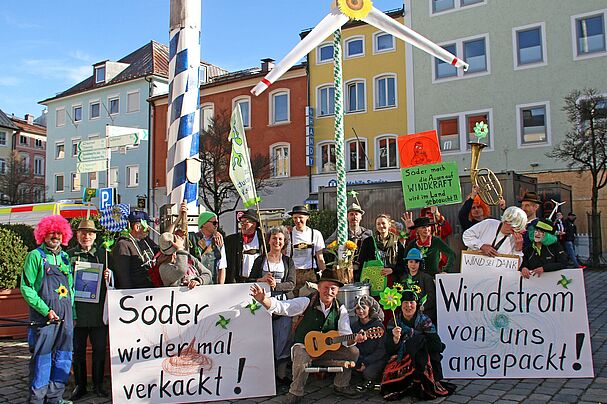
(389, 246)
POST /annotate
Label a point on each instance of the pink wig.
(54, 223)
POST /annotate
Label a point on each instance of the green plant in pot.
(12, 257)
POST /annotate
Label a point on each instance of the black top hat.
(421, 222)
(531, 197)
(330, 276)
(299, 210)
(250, 214)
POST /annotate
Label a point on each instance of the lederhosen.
(51, 344)
(303, 275)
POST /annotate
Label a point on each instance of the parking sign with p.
(106, 198)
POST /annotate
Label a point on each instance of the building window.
(590, 34)
(448, 134)
(132, 101)
(59, 151)
(386, 150)
(475, 54)
(93, 180)
(456, 130)
(443, 69)
(114, 104)
(22, 140)
(245, 110)
(75, 183)
(114, 177)
(2, 138)
(324, 53)
(355, 96)
(77, 113)
(533, 124)
(326, 101)
(59, 182)
(25, 163)
(383, 42)
(2, 166)
(38, 143)
(38, 166)
(280, 160)
(439, 6)
(207, 111)
(530, 49)
(94, 110)
(327, 157)
(357, 155)
(132, 176)
(60, 117)
(355, 47)
(279, 107)
(99, 74)
(385, 92)
(75, 147)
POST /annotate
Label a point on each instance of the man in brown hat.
(306, 249)
(530, 204)
(319, 312)
(90, 315)
(243, 247)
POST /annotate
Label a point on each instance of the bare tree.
(585, 149)
(216, 189)
(18, 184)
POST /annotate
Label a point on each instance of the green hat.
(205, 217)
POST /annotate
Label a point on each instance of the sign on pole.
(91, 166)
(119, 136)
(432, 184)
(92, 144)
(183, 346)
(130, 139)
(496, 324)
(95, 154)
(106, 198)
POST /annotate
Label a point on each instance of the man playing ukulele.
(319, 312)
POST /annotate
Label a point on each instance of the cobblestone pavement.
(14, 372)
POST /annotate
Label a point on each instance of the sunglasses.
(214, 223)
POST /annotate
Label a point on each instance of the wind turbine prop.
(344, 11)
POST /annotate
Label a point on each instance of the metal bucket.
(348, 295)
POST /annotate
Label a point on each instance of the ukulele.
(318, 342)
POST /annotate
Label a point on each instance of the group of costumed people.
(404, 360)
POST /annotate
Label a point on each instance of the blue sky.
(49, 46)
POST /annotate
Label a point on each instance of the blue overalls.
(51, 345)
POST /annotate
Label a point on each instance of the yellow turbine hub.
(355, 9)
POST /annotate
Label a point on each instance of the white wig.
(516, 217)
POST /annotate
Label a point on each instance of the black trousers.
(98, 337)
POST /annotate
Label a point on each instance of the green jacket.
(90, 314)
(33, 273)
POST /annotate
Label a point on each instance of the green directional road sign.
(128, 139)
(89, 155)
(92, 144)
(91, 166)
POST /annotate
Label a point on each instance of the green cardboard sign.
(432, 184)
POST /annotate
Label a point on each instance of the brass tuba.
(490, 189)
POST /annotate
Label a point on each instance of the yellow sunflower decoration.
(355, 9)
(62, 291)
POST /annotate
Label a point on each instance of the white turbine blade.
(393, 27)
(326, 27)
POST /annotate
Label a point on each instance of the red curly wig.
(478, 201)
(53, 223)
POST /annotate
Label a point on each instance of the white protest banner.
(475, 261)
(178, 345)
(496, 324)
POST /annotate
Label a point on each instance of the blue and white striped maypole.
(184, 100)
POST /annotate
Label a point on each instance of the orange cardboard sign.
(418, 149)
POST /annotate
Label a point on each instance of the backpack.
(154, 273)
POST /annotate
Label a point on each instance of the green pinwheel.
(253, 306)
(390, 299)
(222, 322)
(564, 282)
(481, 130)
(108, 242)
